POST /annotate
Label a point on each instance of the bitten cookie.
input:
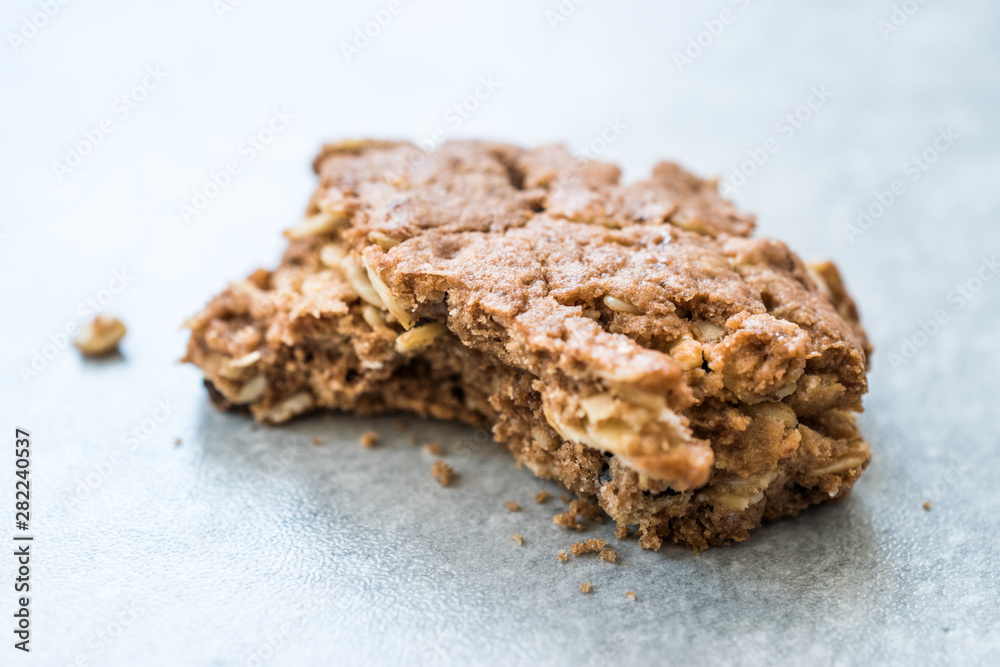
(633, 342)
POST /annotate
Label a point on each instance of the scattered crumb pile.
(369, 439)
(512, 506)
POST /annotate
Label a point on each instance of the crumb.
(517, 538)
(608, 555)
(316, 440)
(442, 472)
(400, 424)
(651, 541)
(369, 438)
(565, 498)
(630, 595)
(433, 448)
(568, 519)
(587, 546)
(512, 506)
(562, 556)
(585, 587)
(588, 509)
(542, 496)
(412, 440)
(177, 442)
(927, 505)
(100, 336)
(621, 531)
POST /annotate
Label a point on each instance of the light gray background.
(242, 542)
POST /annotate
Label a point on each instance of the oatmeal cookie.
(634, 342)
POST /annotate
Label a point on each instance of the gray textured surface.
(240, 539)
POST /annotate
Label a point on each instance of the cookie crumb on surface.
(177, 442)
(577, 508)
(562, 556)
(927, 505)
(369, 439)
(585, 587)
(621, 531)
(433, 448)
(316, 440)
(517, 538)
(443, 473)
(608, 555)
(100, 336)
(542, 496)
(512, 506)
(630, 595)
(587, 546)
